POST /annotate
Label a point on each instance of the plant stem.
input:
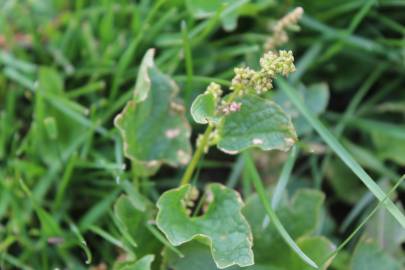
(196, 157)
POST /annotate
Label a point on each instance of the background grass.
(61, 160)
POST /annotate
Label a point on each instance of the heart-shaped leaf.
(259, 123)
(300, 216)
(223, 224)
(152, 124)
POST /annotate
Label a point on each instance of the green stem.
(196, 157)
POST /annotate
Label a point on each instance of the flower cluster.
(215, 89)
(231, 107)
(188, 201)
(281, 63)
(272, 64)
(243, 77)
(280, 35)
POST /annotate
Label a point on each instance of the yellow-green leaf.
(203, 108)
(222, 225)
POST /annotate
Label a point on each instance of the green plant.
(112, 154)
(236, 122)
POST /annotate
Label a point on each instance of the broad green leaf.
(300, 217)
(259, 123)
(343, 181)
(316, 247)
(389, 147)
(133, 223)
(153, 124)
(145, 263)
(222, 225)
(315, 97)
(143, 83)
(203, 108)
(197, 256)
(368, 255)
(342, 260)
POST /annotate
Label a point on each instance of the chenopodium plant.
(237, 121)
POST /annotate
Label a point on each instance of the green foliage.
(203, 9)
(368, 255)
(317, 247)
(343, 181)
(203, 109)
(142, 264)
(300, 216)
(223, 224)
(154, 112)
(53, 129)
(260, 123)
(390, 234)
(79, 190)
(132, 222)
(389, 147)
(315, 96)
(196, 255)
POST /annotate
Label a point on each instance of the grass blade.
(343, 154)
(282, 182)
(82, 242)
(284, 176)
(257, 182)
(188, 58)
(350, 237)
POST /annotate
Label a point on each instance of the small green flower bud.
(215, 89)
(242, 79)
